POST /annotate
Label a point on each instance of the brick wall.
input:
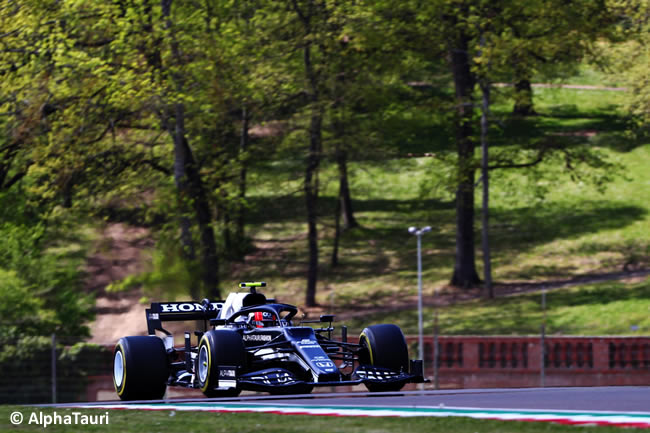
(495, 361)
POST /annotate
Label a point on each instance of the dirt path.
(118, 253)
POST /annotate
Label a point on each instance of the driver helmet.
(262, 319)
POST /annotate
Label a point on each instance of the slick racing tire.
(140, 368)
(384, 346)
(218, 347)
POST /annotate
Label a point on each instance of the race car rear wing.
(204, 310)
(179, 311)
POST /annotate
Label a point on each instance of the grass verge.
(596, 309)
(128, 421)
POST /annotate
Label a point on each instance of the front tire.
(384, 346)
(218, 347)
(140, 368)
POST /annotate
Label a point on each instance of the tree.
(628, 57)
(188, 180)
(512, 37)
(308, 13)
(464, 270)
(457, 31)
(117, 75)
(318, 37)
(514, 44)
(550, 37)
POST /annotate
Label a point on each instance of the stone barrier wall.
(505, 361)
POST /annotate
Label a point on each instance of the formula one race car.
(252, 344)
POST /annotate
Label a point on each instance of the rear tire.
(140, 368)
(384, 346)
(218, 347)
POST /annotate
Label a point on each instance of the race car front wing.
(281, 381)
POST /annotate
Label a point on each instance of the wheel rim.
(203, 363)
(365, 344)
(118, 368)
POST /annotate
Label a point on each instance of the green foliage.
(170, 276)
(50, 277)
(41, 281)
(81, 360)
(93, 94)
(20, 312)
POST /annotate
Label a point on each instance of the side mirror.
(327, 318)
(217, 322)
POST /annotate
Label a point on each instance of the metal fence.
(46, 370)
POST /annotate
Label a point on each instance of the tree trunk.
(201, 204)
(344, 201)
(311, 179)
(485, 216)
(67, 192)
(523, 98)
(180, 180)
(188, 180)
(224, 212)
(315, 148)
(349, 221)
(343, 204)
(465, 274)
(311, 200)
(337, 232)
(243, 147)
(188, 249)
(187, 243)
(191, 190)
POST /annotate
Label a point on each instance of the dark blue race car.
(251, 343)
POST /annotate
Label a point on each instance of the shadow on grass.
(292, 208)
(523, 228)
(380, 246)
(384, 246)
(522, 314)
(513, 231)
(572, 111)
(598, 295)
(567, 126)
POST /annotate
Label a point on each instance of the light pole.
(419, 232)
(542, 362)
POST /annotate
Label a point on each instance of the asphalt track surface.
(628, 399)
(623, 399)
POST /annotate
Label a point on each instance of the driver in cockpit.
(262, 319)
